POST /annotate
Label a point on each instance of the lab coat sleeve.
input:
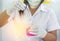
(52, 23)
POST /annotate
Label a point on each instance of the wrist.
(43, 34)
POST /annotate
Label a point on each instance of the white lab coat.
(44, 17)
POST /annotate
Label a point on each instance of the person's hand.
(17, 5)
(35, 31)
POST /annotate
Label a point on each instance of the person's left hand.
(35, 31)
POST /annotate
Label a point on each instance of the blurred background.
(4, 4)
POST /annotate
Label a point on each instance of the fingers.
(20, 6)
(33, 30)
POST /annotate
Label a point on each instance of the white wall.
(7, 3)
(0, 11)
(0, 35)
(0, 5)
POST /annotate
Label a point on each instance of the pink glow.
(28, 33)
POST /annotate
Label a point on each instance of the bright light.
(21, 25)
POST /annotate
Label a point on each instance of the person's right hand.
(17, 5)
(36, 31)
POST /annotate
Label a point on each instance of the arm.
(52, 25)
(3, 18)
(16, 5)
(51, 36)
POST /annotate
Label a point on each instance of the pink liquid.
(28, 33)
